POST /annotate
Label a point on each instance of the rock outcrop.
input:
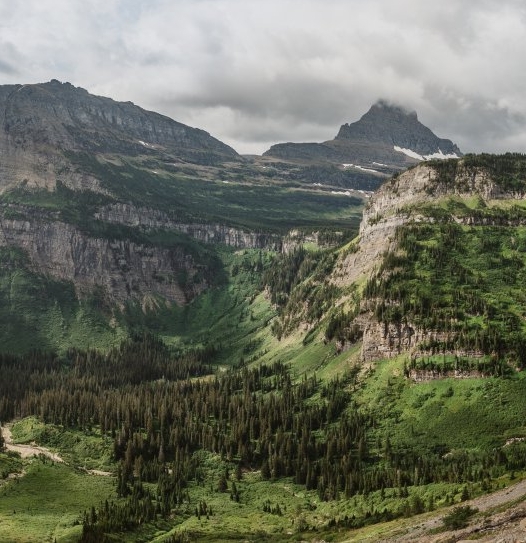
(152, 219)
(123, 269)
(394, 205)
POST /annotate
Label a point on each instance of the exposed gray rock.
(125, 270)
(41, 121)
(371, 142)
(153, 219)
(392, 125)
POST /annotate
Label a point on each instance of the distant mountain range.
(386, 139)
(54, 118)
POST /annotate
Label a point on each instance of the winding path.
(27, 451)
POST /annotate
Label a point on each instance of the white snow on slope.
(359, 168)
(366, 193)
(440, 155)
(145, 144)
(413, 154)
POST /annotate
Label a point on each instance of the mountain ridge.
(386, 139)
(42, 121)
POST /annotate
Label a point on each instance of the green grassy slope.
(46, 503)
(241, 199)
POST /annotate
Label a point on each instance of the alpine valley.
(323, 343)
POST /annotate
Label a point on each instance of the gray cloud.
(7, 68)
(258, 72)
(9, 58)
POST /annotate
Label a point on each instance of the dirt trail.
(27, 451)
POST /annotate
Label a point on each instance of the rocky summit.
(386, 139)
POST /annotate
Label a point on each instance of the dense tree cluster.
(463, 281)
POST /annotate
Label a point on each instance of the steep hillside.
(42, 121)
(439, 264)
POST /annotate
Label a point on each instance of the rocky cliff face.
(123, 269)
(394, 205)
(152, 219)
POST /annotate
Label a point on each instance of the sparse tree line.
(298, 286)
(507, 171)
(449, 364)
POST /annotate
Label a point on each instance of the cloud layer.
(258, 72)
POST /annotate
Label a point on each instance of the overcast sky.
(258, 72)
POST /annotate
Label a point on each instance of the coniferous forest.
(145, 397)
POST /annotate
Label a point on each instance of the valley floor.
(500, 517)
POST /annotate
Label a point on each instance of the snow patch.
(408, 152)
(359, 168)
(341, 192)
(413, 154)
(440, 155)
(143, 143)
(366, 194)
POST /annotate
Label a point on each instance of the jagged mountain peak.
(387, 138)
(391, 124)
(385, 109)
